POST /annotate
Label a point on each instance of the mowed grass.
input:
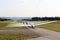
(55, 26)
(16, 36)
(12, 28)
(3, 26)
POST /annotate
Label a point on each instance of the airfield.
(21, 24)
(13, 29)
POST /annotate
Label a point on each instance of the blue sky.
(7, 3)
(29, 8)
(19, 3)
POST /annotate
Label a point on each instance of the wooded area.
(43, 18)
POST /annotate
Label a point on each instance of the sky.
(29, 8)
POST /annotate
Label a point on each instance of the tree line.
(4, 19)
(43, 18)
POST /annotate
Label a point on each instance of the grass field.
(12, 28)
(55, 26)
(15, 36)
(4, 24)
